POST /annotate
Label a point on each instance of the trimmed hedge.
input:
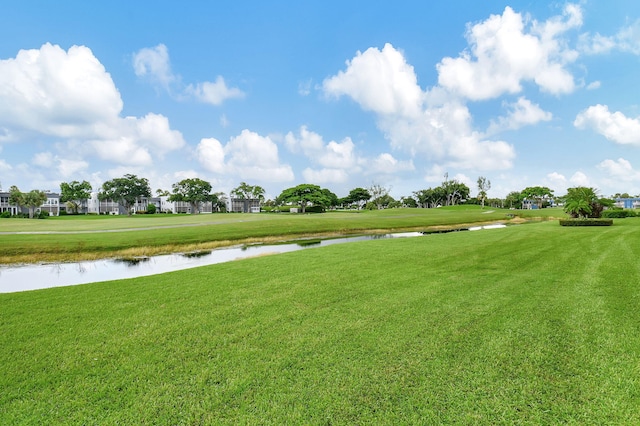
(586, 222)
(618, 213)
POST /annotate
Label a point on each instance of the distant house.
(98, 206)
(245, 205)
(5, 206)
(51, 205)
(535, 204)
(627, 203)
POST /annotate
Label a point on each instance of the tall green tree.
(540, 194)
(409, 202)
(16, 197)
(73, 193)
(304, 194)
(34, 199)
(454, 191)
(430, 197)
(245, 191)
(193, 191)
(514, 200)
(31, 200)
(125, 190)
(332, 199)
(379, 195)
(358, 196)
(484, 185)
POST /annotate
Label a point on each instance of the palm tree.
(581, 202)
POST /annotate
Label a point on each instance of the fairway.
(92, 237)
(531, 324)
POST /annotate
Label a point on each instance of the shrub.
(151, 209)
(5, 214)
(42, 215)
(314, 209)
(285, 209)
(141, 212)
(618, 213)
(586, 222)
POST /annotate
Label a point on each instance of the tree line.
(129, 189)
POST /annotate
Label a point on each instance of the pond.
(39, 276)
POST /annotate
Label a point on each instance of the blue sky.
(334, 93)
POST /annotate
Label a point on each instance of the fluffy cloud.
(559, 183)
(614, 126)
(627, 39)
(386, 163)
(68, 95)
(380, 81)
(521, 113)
(57, 93)
(154, 132)
(557, 180)
(579, 179)
(4, 166)
(153, 63)
(64, 166)
(505, 51)
(337, 160)
(326, 175)
(248, 155)
(432, 124)
(620, 170)
(213, 93)
(331, 156)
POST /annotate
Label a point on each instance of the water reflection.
(196, 254)
(33, 277)
(132, 261)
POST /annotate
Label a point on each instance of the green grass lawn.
(531, 324)
(78, 237)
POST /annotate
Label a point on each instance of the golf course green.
(529, 324)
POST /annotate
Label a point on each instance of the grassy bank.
(534, 324)
(91, 237)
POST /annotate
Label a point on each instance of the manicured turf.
(532, 324)
(84, 237)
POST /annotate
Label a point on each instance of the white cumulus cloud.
(248, 156)
(69, 96)
(214, 93)
(154, 64)
(325, 175)
(521, 113)
(507, 50)
(380, 81)
(627, 39)
(432, 124)
(614, 126)
(56, 92)
(65, 167)
(620, 170)
(332, 155)
(385, 163)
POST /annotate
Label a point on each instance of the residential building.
(627, 203)
(242, 205)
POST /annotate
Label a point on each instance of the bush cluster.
(618, 213)
(586, 222)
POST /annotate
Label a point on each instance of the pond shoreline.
(27, 277)
(146, 251)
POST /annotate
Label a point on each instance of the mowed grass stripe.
(535, 324)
